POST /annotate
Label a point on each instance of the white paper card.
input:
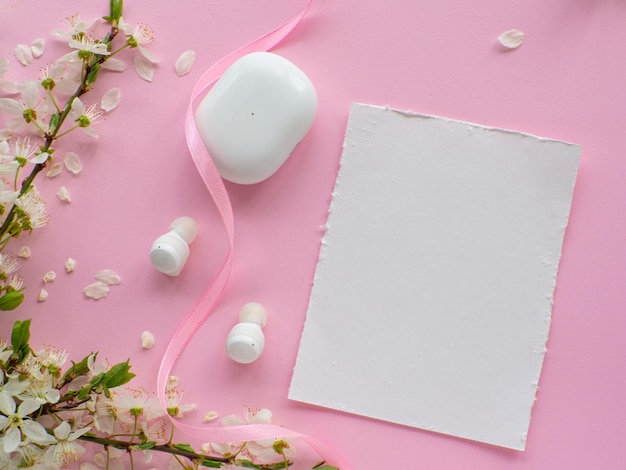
(433, 291)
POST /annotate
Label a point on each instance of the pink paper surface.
(566, 81)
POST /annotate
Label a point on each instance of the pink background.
(567, 81)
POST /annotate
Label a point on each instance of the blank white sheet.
(433, 292)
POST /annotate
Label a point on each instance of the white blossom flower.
(15, 424)
(137, 36)
(8, 264)
(66, 450)
(173, 403)
(84, 117)
(34, 205)
(30, 110)
(84, 47)
(77, 26)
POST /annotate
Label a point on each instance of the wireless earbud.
(245, 341)
(169, 252)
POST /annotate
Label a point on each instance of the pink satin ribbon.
(204, 307)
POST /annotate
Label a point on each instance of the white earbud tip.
(253, 312)
(186, 227)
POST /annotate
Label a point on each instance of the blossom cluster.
(41, 111)
(48, 416)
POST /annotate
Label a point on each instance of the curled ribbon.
(203, 308)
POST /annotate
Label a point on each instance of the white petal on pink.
(96, 290)
(108, 277)
(111, 99)
(72, 163)
(38, 47)
(144, 68)
(512, 39)
(23, 54)
(185, 62)
(55, 170)
(64, 195)
(114, 64)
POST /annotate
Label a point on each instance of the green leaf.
(326, 467)
(146, 445)
(77, 369)
(92, 75)
(54, 122)
(20, 334)
(118, 375)
(11, 300)
(185, 447)
(207, 462)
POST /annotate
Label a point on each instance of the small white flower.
(64, 195)
(138, 36)
(8, 264)
(87, 44)
(173, 403)
(185, 62)
(15, 424)
(72, 163)
(77, 26)
(84, 117)
(30, 110)
(35, 207)
(147, 340)
(66, 451)
(96, 291)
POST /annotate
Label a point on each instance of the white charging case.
(255, 115)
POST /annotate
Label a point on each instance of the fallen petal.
(64, 195)
(210, 416)
(50, 276)
(43, 295)
(23, 54)
(38, 47)
(113, 64)
(96, 291)
(24, 252)
(144, 68)
(111, 99)
(70, 265)
(72, 163)
(185, 62)
(147, 340)
(55, 170)
(108, 277)
(512, 38)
